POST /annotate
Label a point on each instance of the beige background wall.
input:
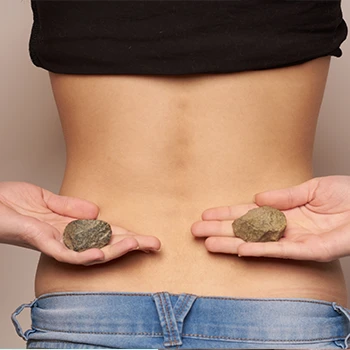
(32, 148)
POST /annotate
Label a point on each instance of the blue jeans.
(163, 320)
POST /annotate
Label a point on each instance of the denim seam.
(194, 335)
(53, 295)
(110, 333)
(63, 342)
(261, 340)
(268, 300)
(166, 310)
(178, 315)
(184, 303)
(199, 297)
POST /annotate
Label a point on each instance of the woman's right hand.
(35, 218)
(318, 223)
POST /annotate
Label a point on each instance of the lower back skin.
(155, 151)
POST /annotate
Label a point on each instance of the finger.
(118, 249)
(225, 245)
(136, 241)
(145, 242)
(87, 257)
(118, 246)
(70, 206)
(227, 212)
(128, 244)
(92, 256)
(48, 240)
(282, 249)
(57, 250)
(288, 198)
(148, 243)
(212, 228)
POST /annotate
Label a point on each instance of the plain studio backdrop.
(32, 147)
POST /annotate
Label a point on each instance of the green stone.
(261, 224)
(80, 235)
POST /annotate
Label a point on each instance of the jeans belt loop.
(16, 322)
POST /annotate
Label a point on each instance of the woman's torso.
(155, 151)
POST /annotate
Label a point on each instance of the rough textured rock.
(80, 235)
(261, 224)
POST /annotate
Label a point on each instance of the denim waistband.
(174, 317)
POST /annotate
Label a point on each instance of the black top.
(182, 37)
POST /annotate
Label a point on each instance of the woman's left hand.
(318, 223)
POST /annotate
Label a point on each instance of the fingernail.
(151, 250)
(93, 262)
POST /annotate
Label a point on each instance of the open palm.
(318, 222)
(35, 218)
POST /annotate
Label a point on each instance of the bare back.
(155, 151)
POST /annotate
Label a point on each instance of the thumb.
(288, 198)
(70, 206)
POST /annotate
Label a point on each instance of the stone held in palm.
(261, 224)
(80, 235)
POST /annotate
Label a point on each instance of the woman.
(169, 108)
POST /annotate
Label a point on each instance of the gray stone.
(80, 235)
(261, 224)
